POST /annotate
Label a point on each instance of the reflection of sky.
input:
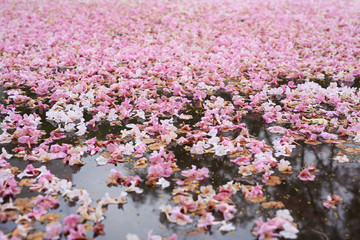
(304, 200)
(141, 213)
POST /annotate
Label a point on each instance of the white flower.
(141, 114)
(133, 188)
(5, 154)
(213, 132)
(289, 231)
(357, 138)
(128, 149)
(122, 198)
(112, 115)
(213, 140)
(5, 138)
(198, 148)
(226, 227)
(341, 159)
(219, 150)
(5, 174)
(162, 181)
(69, 127)
(285, 214)
(101, 161)
(284, 165)
(82, 129)
(245, 171)
(131, 236)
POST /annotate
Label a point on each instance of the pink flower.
(8, 184)
(305, 175)
(264, 230)
(332, 201)
(256, 191)
(241, 161)
(188, 204)
(176, 216)
(207, 221)
(45, 201)
(199, 174)
(116, 176)
(160, 170)
(28, 140)
(71, 221)
(227, 210)
(37, 213)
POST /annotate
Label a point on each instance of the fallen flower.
(53, 231)
(226, 227)
(332, 201)
(163, 183)
(101, 161)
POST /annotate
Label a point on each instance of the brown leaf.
(141, 163)
(194, 232)
(36, 236)
(25, 182)
(23, 205)
(151, 181)
(333, 141)
(174, 167)
(256, 199)
(149, 140)
(15, 170)
(312, 142)
(182, 131)
(156, 146)
(274, 180)
(106, 154)
(272, 204)
(50, 217)
(352, 150)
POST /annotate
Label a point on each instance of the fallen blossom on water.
(53, 231)
(163, 183)
(226, 227)
(308, 173)
(207, 221)
(131, 236)
(176, 216)
(134, 188)
(101, 161)
(332, 201)
(342, 159)
(198, 174)
(289, 231)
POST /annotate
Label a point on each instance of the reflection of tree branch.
(317, 157)
(321, 233)
(302, 157)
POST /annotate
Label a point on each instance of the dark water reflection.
(304, 200)
(141, 213)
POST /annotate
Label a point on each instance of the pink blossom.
(305, 175)
(176, 216)
(160, 170)
(227, 210)
(37, 213)
(207, 221)
(198, 174)
(45, 201)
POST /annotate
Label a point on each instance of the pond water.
(141, 213)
